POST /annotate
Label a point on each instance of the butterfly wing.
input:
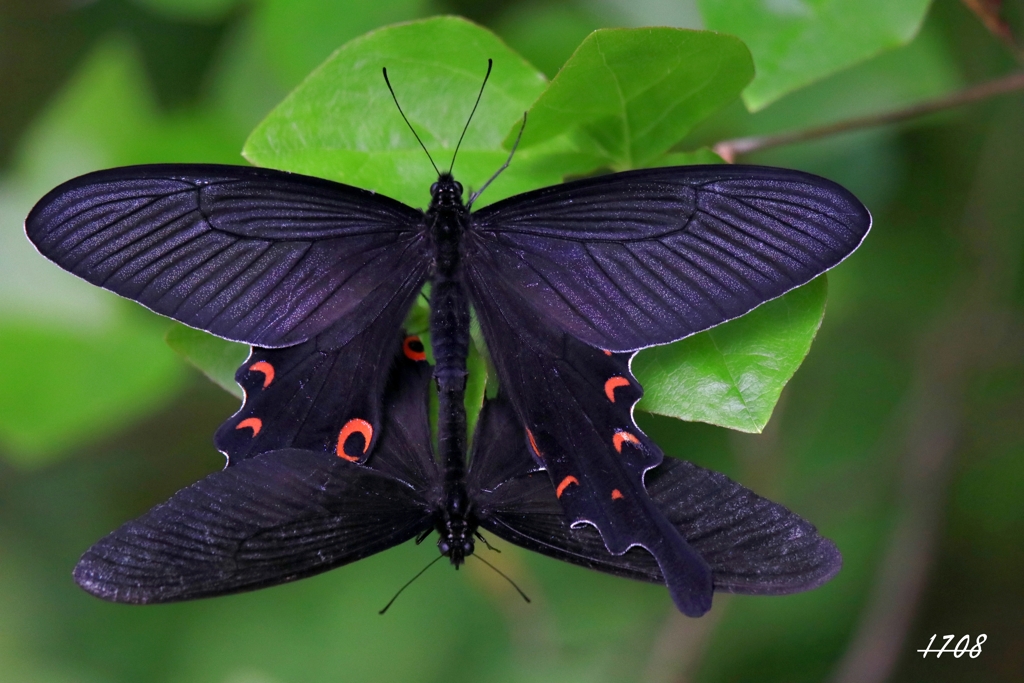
(646, 257)
(255, 255)
(574, 403)
(277, 516)
(752, 545)
(316, 395)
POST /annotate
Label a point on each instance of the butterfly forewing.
(274, 518)
(255, 255)
(754, 546)
(646, 257)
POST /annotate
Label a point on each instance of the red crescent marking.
(267, 369)
(620, 437)
(565, 482)
(411, 353)
(254, 423)
(614, 383)
(607, 352)
(533, 444)
(616, 494)
(351, 427)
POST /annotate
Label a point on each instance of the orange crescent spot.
(533, 444)
(254, 423)
(410, 352)
(353, 426)
(267, 369)
(565, 482)
(616, 494)
(607, 352)
(621, 437)
(614, 383)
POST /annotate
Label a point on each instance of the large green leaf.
(627, 95)
(342, 124)
(732, 375)
(217, 358)
(796, 42)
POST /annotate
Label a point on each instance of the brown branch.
(988, 12)
(730, 149)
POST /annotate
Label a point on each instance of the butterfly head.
(456, 548)
(456, 528)
(446, 192)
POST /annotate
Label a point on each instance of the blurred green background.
(901, 437)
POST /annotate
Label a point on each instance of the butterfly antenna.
(503, 166)
(504, 576)
(409, 583)
(395, 98)
(490, 63)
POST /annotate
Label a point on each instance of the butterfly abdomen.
(447, 219)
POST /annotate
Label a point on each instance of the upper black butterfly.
(567, 281)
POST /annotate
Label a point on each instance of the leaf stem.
(730, 149)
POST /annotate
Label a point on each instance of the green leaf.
(62, 388)
(697, 156)
(217, 358)
(796, 42)
(342, 124)
(548, 33)
(732, 375)
(627, 95)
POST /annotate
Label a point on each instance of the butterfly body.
(447, 219)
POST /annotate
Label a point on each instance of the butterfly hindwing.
(752, 545)
(279, 515)
(318, 396)
(629, 260)
(575, 404)
(254, 255)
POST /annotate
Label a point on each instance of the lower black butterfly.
(567, 281)
(305, 506)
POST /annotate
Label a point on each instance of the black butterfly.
(567, 281)
(294, 511)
